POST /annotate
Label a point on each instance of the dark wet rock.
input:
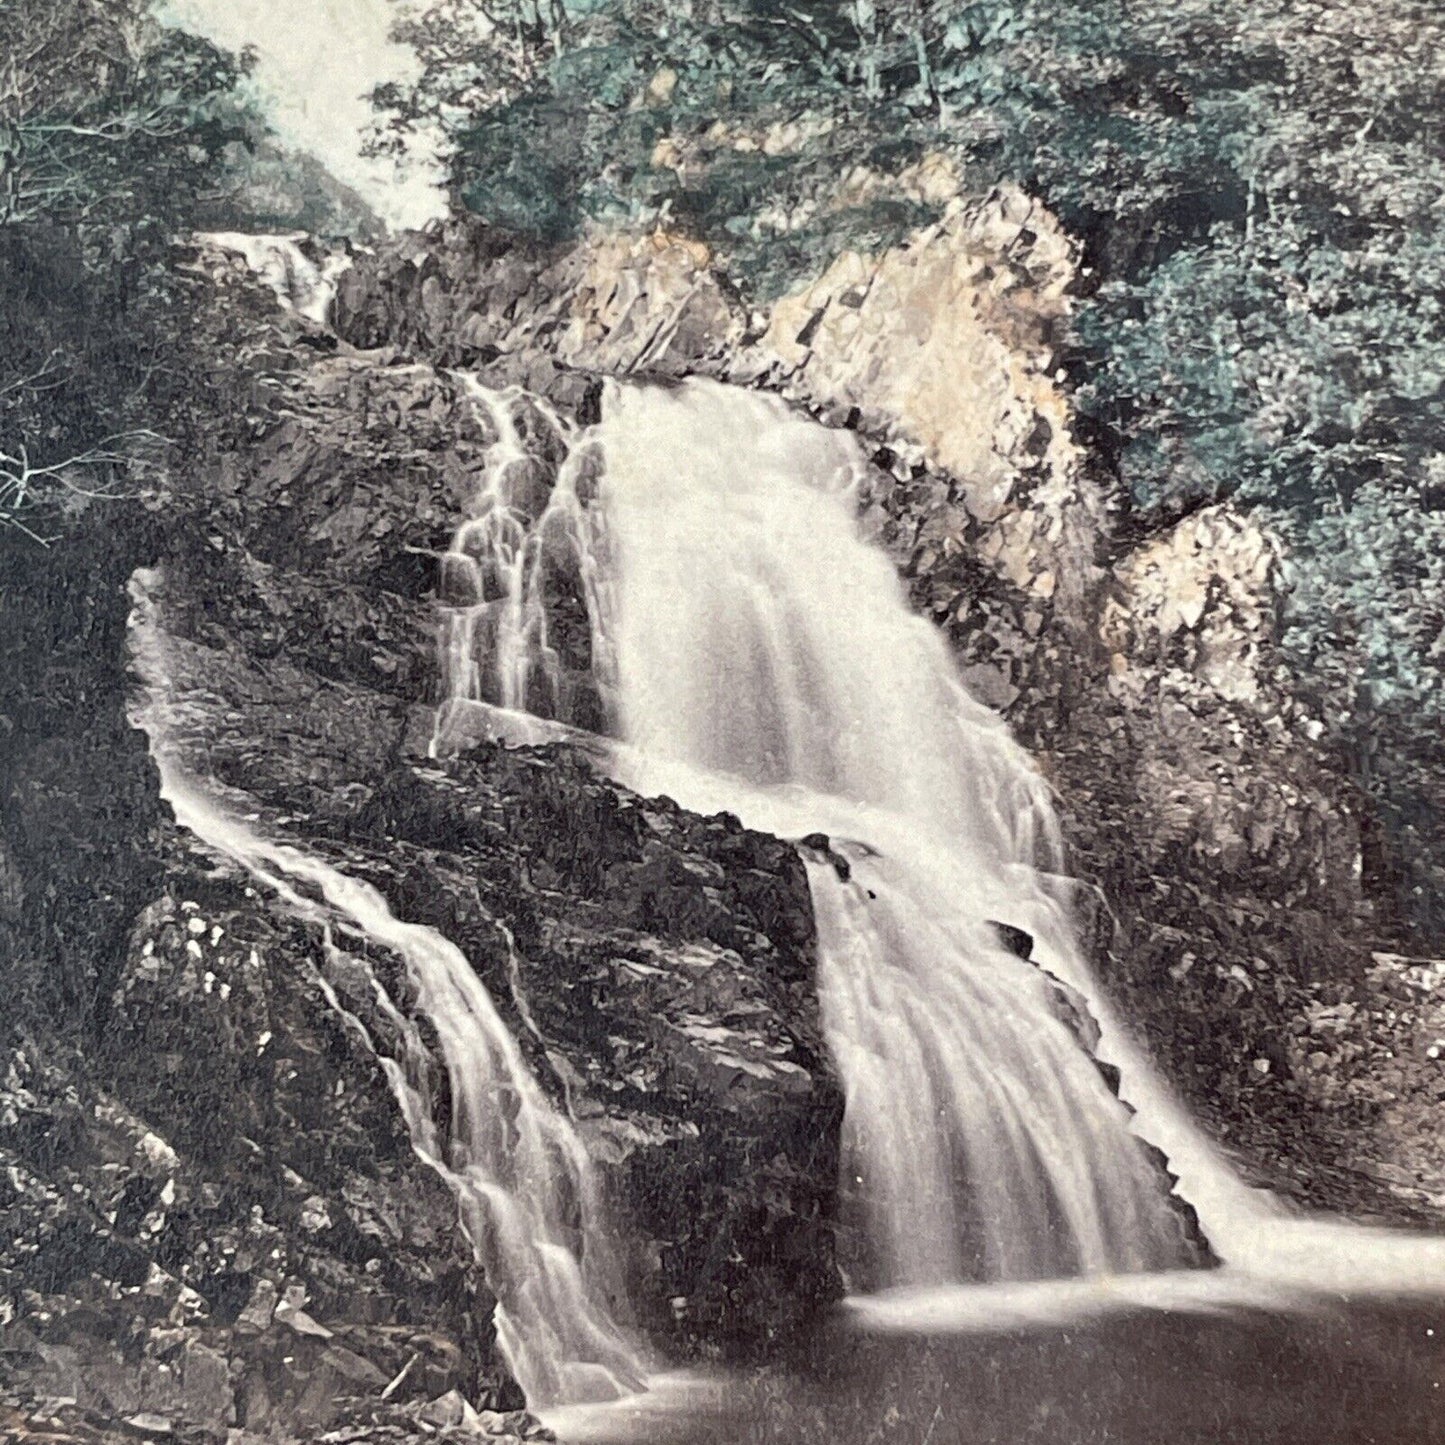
(656, 966)
(367, 461)
(661, 968)
(218, 1219)
(821, 846)
(1016, 940)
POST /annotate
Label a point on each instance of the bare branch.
(20, 478)
(37, 380)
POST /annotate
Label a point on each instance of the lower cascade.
(526, 1189)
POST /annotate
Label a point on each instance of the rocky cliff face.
(658, 968)
(219, 1219)
(200, 1164)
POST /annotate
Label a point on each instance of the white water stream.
(760, 640)
(527, 1192)
(305, 285)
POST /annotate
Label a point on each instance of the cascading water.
(526, 1190)
(767, 663)
(305, 285)
(688, 576)
(518, 584)
(753, 654)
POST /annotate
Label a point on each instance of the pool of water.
(1219, 1369)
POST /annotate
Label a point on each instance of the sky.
(317, 60)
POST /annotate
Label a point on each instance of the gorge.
(593, 930)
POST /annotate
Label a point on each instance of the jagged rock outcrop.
(226, 1225)
(656, 967)
(1073, 1009)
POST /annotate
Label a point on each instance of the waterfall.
(688, 577)
(306, 286)
(767, 663)
(527, 1192)
(750, 652)
(519, 582)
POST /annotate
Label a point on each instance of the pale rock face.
(1204, 596)
(640, 299)
(945, 342)
(1190, 626)
(933, 179)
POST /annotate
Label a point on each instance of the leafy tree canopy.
(1257, 181)
(114, 131)
(107, 116)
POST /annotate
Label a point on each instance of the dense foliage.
(1256, 180)
(114, 133)
(1256, 184)
(732, 119)
(106, 116)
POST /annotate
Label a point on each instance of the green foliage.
(105, 116)
(1258, 185)
(733, 119)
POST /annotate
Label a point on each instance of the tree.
(105, 115)
(113, 130)
(637, 110)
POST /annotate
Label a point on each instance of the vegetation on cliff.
(119, 135)
(112, 129)
(1261, 313)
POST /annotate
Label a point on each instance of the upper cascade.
(303, 282)
(767, 663)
